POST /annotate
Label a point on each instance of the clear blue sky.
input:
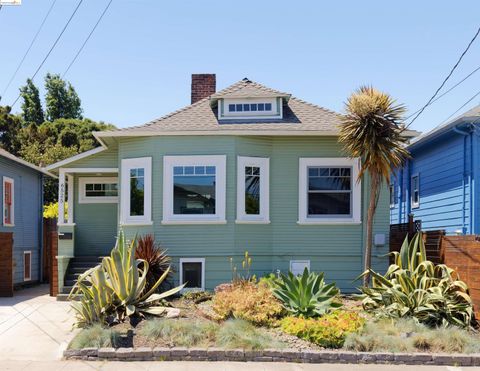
(137, 65)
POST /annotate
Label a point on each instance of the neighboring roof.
(201, 117)
(469, 116)
(24, 163)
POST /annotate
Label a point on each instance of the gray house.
(21, 240)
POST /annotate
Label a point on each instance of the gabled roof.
(470, 116)
(201, 117)
(18, 160)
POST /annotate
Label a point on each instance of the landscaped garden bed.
(416, 313)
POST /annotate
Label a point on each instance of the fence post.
(411, 225)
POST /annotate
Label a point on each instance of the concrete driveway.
(34, 326)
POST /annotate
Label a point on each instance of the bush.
(415, 287)
(181, 332)
(241, 334)
(306, 295)
(328, 331)
(249, 301)
(408, 335)
(157, 259)
(95, 336)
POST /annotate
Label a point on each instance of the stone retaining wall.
(269, 355)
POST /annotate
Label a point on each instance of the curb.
(269, 355)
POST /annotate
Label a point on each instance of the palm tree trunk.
(372, 205)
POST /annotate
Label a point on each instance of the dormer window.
(250, 108)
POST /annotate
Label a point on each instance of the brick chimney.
(203, 85)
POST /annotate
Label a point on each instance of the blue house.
(439, 184)
(21, 239)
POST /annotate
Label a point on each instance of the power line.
(28, 50)
(449, 90)
(88, 38)
(53, 46)
(446, 79)
(463, 105)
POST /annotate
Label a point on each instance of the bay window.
(252, 190)
(194, 189)
(329, 191)
(136, 191)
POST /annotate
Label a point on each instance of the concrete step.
(64, 297)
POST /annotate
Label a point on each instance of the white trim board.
(75, 158)
(82, 197)
(356, 189)
(169, 162)
(192, 260)
(6, 179)
(264, 215)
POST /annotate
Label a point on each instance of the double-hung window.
(415, 191)
(194, 189)
(8, 201)
(329, 191)
(136, 191)
(252, 190)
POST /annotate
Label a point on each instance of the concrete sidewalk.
(34, 326)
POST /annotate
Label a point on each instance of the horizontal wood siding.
(107, 158)
(95, 225)
(444, 170)
(335, 249)
(27, 216)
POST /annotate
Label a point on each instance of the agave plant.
(415, 287)
(116, 288)
(306, 295)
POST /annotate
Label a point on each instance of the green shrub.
(408, 335)
(95, 336)
(271, 280)
(241, 334)
(415, 287)
(180, 332)
(249, 301)
(327, 331)
(306, 295)
(116, 288)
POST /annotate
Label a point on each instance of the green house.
(247, 168)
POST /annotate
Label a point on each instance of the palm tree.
(372, 130)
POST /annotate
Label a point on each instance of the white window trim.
(125, 217)
(192, 260)
(84, 199)
(169, 162)
(304, 163)
(6, 179)
(391, 190)
(415, 205)
(29, 253)
(264, 164)
(275, 113)
(306, 262)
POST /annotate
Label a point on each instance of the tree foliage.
(10, 126)
(61, 99)
(372, 130)
(32, 111)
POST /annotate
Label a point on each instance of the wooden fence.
(6, 264)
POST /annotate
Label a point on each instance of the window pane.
(252, 194)
(178, 170)
(192, 275)
(194, 194)
(210, 170)
(329, 203)
(200, 170)
(137, 191)
(330, 183)
(253, 106)
(231, 107)
(239, 107)
(261, 107)
(268, 106)
(246, 107)
(188, 170)
(101, 190)
(89, 187)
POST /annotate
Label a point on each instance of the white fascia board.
(75, 158)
